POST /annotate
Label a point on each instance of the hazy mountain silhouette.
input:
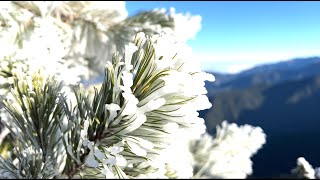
(266, 74)
(299, 97)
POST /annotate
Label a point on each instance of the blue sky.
(239, 35)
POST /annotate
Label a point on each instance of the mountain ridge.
(266, 74)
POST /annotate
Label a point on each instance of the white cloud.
(238, 67)
(186, 25)
(235, 62)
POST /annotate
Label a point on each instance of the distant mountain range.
(266, 74)
(283, 99)
(256, 105)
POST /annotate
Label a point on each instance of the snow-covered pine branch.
(141, 123)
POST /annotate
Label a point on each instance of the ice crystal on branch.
(139, 108)
(304, 170)
(228, 154)
(35, 112)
